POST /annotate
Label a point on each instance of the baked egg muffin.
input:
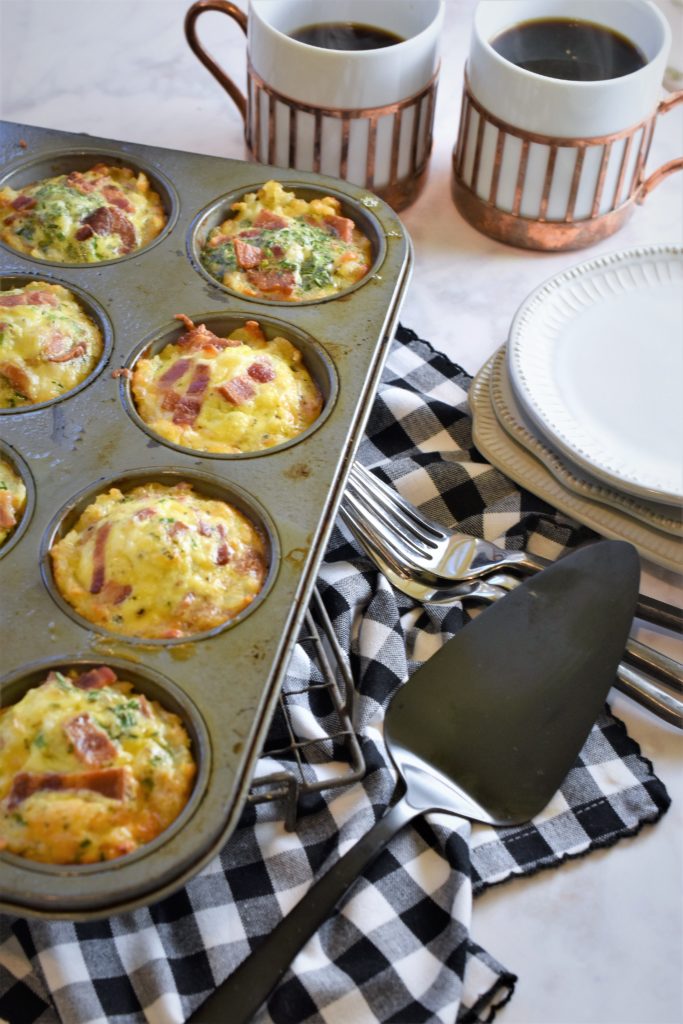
(12, 499)
(89, 769)
(48, 344)
(82, 217)
(242, 393)
(277, 246)
(159, 562)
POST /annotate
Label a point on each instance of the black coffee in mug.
(345, 35)
(579, 51)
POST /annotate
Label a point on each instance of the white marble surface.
(599, 940)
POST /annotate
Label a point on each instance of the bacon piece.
(277, 251)
(199, 336)
(8, 517)
(98, 558)
(108, 220)
(261, 371)
(96, 678)
(223, 551)
(254, 328)
(190, 404)
(175, 529)
(189, 324)
(280, 281)
(174, 373)
(91, 743)
(109, 782)
(271, 221)
(24, 202)
(238, 390)
(250, 562)
(59, 348)
(145, 706)
(217, 240)
(204, 528)
(248, 256)
(30, 298)
(114, 593)
(247, 233)
(170, 402)
(76, 181)
(117, 198)
(341, 226)
(122, 371)
(18, 378)
(84, 233)
(145, 513)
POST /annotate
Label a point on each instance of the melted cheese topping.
(47, 344)
(256, 393)
(159, 561)
(12, 499)
(99, 214)
(280, 247)
(72, 735)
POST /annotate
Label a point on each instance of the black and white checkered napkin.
(398, 947)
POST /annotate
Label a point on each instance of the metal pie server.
(487, 729)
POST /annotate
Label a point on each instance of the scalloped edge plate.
(526, 470)
(666, 518)
(595, 358)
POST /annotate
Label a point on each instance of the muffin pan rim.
(88, 303)
(81, 500)
(21, 467)
(193, 722)
(168, 192)
(348, 204)
(148, 347)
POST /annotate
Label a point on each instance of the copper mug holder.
(398, 178)
(606, 180)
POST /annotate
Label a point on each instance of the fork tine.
(394, 530)
(368, 537)
(385, 508)
(388, 536)
(428, 528)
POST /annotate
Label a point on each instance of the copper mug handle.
(673, 165)
(238, 15)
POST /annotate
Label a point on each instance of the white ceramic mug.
(548, 163)
(362, 115)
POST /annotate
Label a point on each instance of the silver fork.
(419, 547)
(630, 679)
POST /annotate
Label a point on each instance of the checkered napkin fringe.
(398, 948)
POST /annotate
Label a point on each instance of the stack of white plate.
(584, 405)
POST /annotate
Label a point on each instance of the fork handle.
(660, 613)
(651, 696)
(649, 609)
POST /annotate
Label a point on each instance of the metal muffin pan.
(224, 683)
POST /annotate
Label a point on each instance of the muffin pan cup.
(230, 677)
